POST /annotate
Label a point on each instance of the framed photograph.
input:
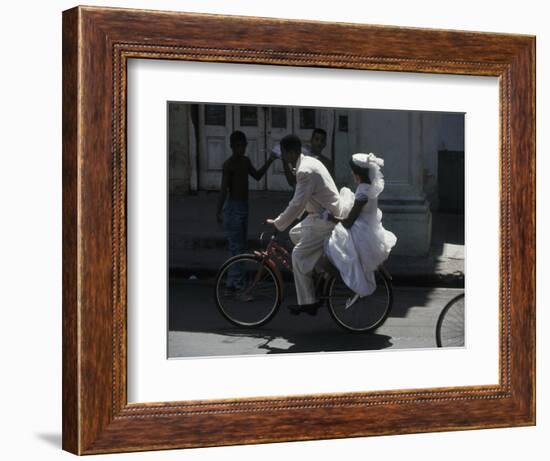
(280, 230)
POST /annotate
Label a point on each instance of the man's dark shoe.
(310, 309)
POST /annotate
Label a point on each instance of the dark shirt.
(328, 164)
(235, 176)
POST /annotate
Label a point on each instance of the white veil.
(374, 165)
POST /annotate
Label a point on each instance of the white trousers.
(309, 238)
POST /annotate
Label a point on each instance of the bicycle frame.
(273, 258)
(273, 254)
(276, 254)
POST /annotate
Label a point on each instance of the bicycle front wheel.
(360, 314)
(247, 291)
(449, 331)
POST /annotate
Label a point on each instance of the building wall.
(179, 155)
(390, 133)
(408, 141)
(441, 132)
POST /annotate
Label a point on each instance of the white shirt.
(315, 192)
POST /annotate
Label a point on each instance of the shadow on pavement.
(276, 341)
(196, 321)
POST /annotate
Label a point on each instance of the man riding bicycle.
(315, 193)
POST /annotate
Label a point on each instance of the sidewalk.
(198, 246)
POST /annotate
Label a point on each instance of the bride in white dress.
(359, 243)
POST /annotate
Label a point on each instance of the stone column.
(397, 137)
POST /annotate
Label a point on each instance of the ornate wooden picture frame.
(97, 44)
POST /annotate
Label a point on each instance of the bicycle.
(262, 290)
(449, 330)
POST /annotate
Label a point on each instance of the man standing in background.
(318, 142)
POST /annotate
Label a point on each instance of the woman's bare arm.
(354, 213)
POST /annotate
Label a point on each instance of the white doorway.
(264, 126)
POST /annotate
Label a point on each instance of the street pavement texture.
(197, 328)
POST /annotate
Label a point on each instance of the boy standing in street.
(232, 209)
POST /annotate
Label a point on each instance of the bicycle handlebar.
(265, 227)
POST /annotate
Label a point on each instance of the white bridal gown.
(358, 251)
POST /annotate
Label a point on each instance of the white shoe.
(351, 301)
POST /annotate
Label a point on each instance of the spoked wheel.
(247, 291)
(360, 314)
(449, 331)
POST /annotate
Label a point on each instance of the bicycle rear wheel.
(449, 331)
(360, 314)
(247, 291)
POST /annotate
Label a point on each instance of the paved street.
(198, 329)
